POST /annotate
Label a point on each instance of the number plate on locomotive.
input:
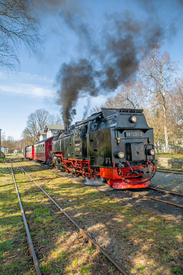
(133, 134)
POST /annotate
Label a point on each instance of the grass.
(62, 233)
(155, 235)
(141, 226)
(170, 155)
(6, 246)
(140, 267)
(85, 269)
(89, 250)
(126, 234)
(176, 270)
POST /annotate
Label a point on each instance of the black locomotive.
(114, 144)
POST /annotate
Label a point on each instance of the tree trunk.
(165, 130)
(164, 113)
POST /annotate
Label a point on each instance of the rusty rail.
(27, 229)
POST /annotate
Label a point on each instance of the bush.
(180, 151)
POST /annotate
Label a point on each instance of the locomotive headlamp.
(133, 119)
(151, 152)
(121, 155)
(118, 154)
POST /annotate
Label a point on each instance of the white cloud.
(27, 84)
(28, 89)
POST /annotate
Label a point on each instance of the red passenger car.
(42, 150)
(29, 152)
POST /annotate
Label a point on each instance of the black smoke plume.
(112, 64)
(76, 79)
(112, 52)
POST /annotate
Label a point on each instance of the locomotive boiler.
(114, 144)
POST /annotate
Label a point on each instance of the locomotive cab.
(122, 146)
(134, 138)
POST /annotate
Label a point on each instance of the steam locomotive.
(114, 144)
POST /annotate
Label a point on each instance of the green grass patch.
(141, 226)
(62, 233)
(85, 269)
(176, 270)
(89, 250)
(41, 232)
(165, 257)
(92, 193)
(75, 262)
(126, 234)
(6, 245)
(49, 218)
(140, 267)
(81, 218)
(167, 232)
(39, 220)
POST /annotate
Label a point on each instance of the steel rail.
(157, 200)
(170, 171)
(165, 191)
(82, 231)
(27, 228)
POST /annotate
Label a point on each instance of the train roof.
(43, 140)
(111, 111)
(105, 112)
(29, 145)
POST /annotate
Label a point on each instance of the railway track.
(180, 206)
(170, 198)
(165, 191)
(81, 230)
(171, 171)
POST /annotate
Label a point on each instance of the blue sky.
(33, 86)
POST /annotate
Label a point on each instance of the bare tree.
(36, 122)
(10, 142)
(176, 111)
(157, 72)
(129, 96)
(154, 118)
(17, 26)
(55, 119)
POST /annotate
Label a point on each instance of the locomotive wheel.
(57, 164)
(62, 167)
(50, 163)
(73, 171)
